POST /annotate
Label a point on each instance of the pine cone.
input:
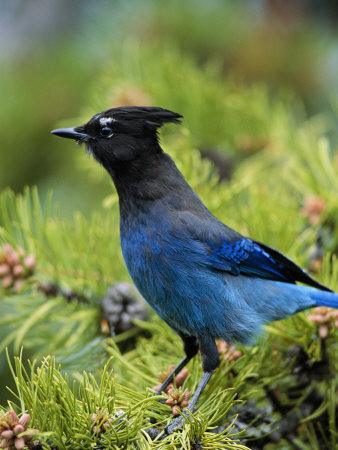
(103, 422)
(14, 432)
(177, 399)
(313, 209)
(121, 305)
(325, 318)
(15, 267)
(227, 351)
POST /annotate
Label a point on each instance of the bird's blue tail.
(323, 298)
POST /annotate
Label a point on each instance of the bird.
(205, 280)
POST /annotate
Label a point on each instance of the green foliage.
(45, 84)
(247, 40)
(67, 408)
(75, 254)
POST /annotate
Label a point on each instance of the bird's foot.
(153, 432)
(176, 423)
(169, 429)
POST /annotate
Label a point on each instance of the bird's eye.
(106, 132)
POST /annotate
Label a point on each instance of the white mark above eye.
(106, 121)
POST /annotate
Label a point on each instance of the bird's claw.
(169, 429)
(176, 423)
(153, 432)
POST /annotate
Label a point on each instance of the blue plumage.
(201, 277)
(200, 287)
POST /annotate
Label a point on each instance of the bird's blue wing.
(248, 257)
(226, 250)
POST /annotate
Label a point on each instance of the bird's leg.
(190, 346)
(210, 361)
(170, 378)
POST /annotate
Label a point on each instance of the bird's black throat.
(146, 179)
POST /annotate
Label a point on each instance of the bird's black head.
(121, 134)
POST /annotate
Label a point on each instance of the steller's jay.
(205, 280)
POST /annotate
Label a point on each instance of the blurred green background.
(227, 66)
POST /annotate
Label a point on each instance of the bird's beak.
(71, 133)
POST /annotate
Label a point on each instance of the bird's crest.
(152, 116)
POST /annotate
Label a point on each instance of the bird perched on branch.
(205, 280)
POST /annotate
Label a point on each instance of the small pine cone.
(177, 399)
(121, 305)
(313, 209)
(7, 281)
(15, 267)
(101, 421)
(4, 270)
(30, 261)
(326, 318)
(11, 430)
(228, 352)
(180, 377)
